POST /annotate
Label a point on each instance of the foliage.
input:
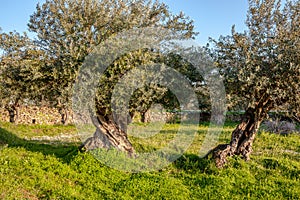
(69, 30)
(144, 97)
(22, 70)
(261, 65)
(39, 172)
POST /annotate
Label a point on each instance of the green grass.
(44, 170)
(38, 130)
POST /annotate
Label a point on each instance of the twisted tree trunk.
(242, 137)
(109, 134)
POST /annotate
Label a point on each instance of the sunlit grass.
(38, 130)
(35, 170)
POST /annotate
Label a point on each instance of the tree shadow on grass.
(64, 151)
(191, 163)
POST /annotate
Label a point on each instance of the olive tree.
(261, 69)
(69, 30)
(22, 70)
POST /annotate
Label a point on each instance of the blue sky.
(212, 17)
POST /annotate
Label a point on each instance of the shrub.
(279, 127)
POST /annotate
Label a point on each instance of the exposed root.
(220, 154)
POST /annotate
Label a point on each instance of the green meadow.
(43, 162)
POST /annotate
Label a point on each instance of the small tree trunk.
(13, 114)
(143, 117)
(242, 138)
(64, 115)
(109, 135)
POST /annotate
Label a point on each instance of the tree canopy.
(261, 65)
(69, 30)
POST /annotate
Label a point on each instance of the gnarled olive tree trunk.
(242, 137)
(109, 134)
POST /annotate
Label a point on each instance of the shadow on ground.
(62, 151)
(190, 163)
(193, 163)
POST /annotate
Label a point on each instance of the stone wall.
(36, 115)
(158, 114)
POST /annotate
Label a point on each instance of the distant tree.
(69, 30)
(261, 68)
(21, 72)
(164, 96)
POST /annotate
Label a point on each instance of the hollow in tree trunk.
(109, 134)
(242, 137)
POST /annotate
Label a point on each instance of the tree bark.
(64, 115)
(109, 134)
(13, 113)
(143, 116)
(242, 138)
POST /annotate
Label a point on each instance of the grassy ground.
(33, 166)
